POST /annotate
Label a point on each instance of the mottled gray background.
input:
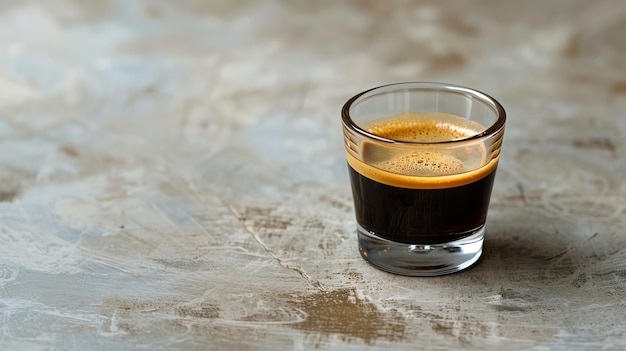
(172, 175)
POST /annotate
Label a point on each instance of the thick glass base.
(420, 259)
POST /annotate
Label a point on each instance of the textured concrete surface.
(172, 175)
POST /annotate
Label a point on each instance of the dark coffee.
(423, 195)
(417, 216)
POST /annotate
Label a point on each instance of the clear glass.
(422, 159)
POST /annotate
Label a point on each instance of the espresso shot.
(421, 196)
(422, 161)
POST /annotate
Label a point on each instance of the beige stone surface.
(172, 175)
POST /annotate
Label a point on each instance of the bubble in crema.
(427, 127)
(424, 160)
(423, 163)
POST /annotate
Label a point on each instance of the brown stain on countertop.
(595, 143)
(344, 313)
(619, 88)
(135, 316)
(7, 195)
(449, 321)
(69, 150)
(11, 183)
(572, 49)
(446, 61)
(263, 219)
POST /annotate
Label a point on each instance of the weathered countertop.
(172, 175)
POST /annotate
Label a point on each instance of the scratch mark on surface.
(163, 215)
(272, 254)
(559, 254)
(520, 187)
(593, 236)
(198, 224)
(570, 248)
(114, 262)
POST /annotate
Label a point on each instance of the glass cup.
(422, 159)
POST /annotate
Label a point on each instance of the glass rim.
(427, 86)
